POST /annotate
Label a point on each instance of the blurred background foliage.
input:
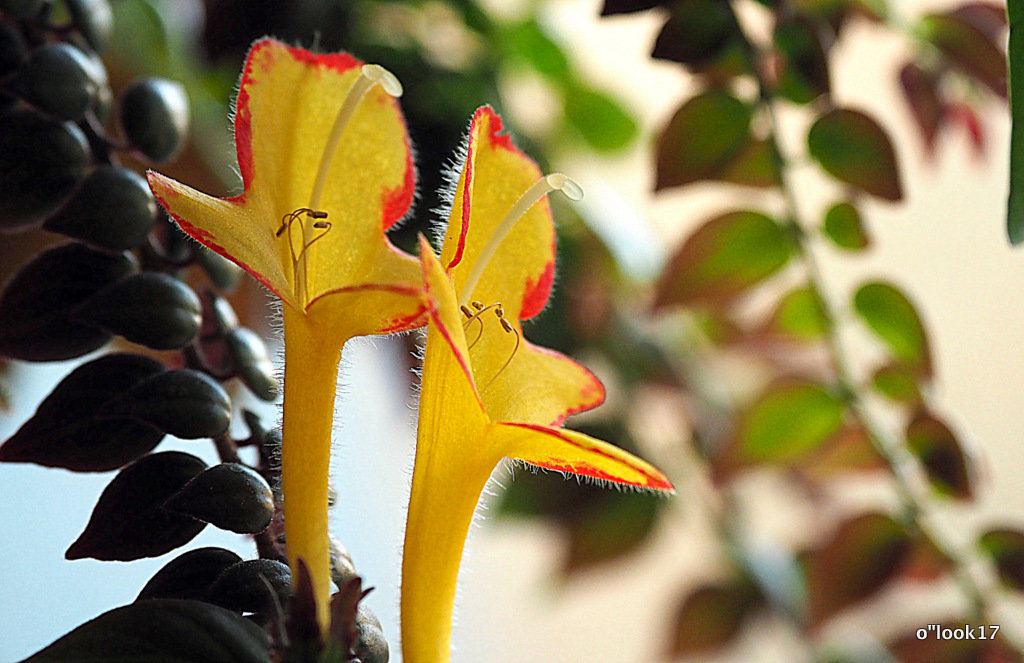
(743, 289)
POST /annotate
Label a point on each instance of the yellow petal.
(452, 466)
(495, 175)
(227, 227)
(570, 451)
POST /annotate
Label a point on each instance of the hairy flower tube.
(327, 168)
(488, 393)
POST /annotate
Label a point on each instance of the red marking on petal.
(654, 481)
(494, 135)
(340, 62)
(396, 202)
(536, 294)
(460, 246)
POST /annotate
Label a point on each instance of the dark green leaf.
(129, 521)
(937, 447)
(613, 525)
(861, 556)
(149, 308)
(56, 80)
(36, 304)
(155, 117)
(183, 403)
(853, 148)
(968, 48)
(114, 209)
(702, 139)
(161, 631)
(188, 576)
(252, 363)
(893, 318)
(789, 420)
(222, 272)
(723, 259)
(697, 32)
(804, 66)
(230, 496)
(601, 121)
(65, 431)
(1015, 58)
(711, 616)
(844, 226)
(247, 586)
(1006, 546)
(94, 19)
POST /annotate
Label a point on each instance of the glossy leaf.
(251, 585)
(129, 521)
(1015, 58)
(921, 90)
(853, 148)
(897, 382)
(702, 139)
(942, 455)
(36, 304)
(968, 48)
(249, 355)
(711, 616)
(188, 576)
(149, 308)
(1006, 547)
(804, 66)
(723, 259)
(66, 432)
(161, 631)
(800, 315)
(844, 226)
(860, 557)
(230, 496)
(184, 403)
(788, 420)
(603, 123)
(894, 320)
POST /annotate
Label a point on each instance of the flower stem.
(310, 379)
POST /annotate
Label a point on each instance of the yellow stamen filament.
(540, 188)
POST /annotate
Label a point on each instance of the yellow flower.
(327, 169)
(487, 393)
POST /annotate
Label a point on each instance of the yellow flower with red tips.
(327, 168)
(487, 393)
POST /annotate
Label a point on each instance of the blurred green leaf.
(897, 382)
(755, 163)
(1015, 59)
(893, 318)
(804, 66)
(968, 48)
(612, 526)
(844, 226)
(723, 259)
(701, 139)
(1006, 547)
(800, 315)
(601, 121)
(161, 631)
(710, 616)
(527, 42)
(940, 452)
(140, 38)
(787, 421)
(697, 32)
(862, 555)
(853, 148)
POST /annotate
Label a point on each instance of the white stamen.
(370, 75)
(542, 187)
